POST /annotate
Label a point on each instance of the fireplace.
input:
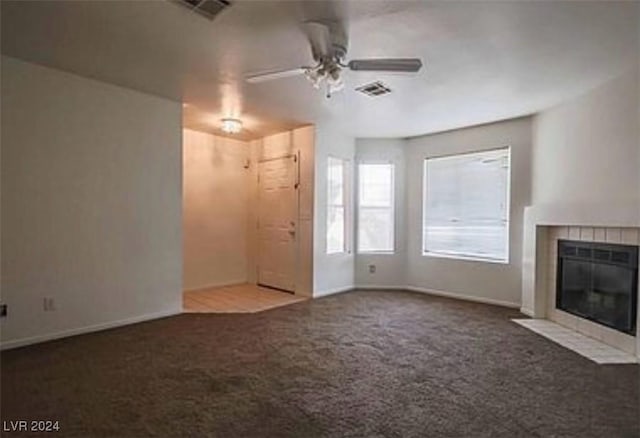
(599, 282)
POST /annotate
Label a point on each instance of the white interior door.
(277, 217)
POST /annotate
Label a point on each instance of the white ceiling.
(484, 61)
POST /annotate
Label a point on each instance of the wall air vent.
(373, 89)
(207, 8)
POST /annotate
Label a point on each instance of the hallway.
(241, 298)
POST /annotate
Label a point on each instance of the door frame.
(296, 186)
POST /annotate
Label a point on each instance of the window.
(466, 206)
(375, 208)
(336, 205)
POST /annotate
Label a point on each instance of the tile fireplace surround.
(543, 228)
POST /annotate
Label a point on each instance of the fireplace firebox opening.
(599, 282)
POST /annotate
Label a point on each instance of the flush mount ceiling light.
(231, 126)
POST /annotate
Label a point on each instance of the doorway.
(247, 221)
(277, 222)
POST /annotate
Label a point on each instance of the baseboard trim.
(378, 287)
(464, 297)
(423, 290)
(87, 329)
(527, 312)
(150, 316)
(327, 292)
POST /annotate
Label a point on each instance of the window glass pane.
(375, 230)
(375, 184)
(336, 196)
(467, 206)
(335, 230)
(376, 209)
(335, 178)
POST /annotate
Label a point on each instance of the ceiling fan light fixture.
(328, 41)
(335, 83)
(315, 76)
(333, 72)
(231, 126)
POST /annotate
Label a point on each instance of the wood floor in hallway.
(241, 298)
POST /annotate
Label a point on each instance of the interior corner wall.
(587, 151)
(216, 187)
(332, 273)
(91, 204)
(390, 269)
(489, 282)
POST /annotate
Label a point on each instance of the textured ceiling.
(483, 61)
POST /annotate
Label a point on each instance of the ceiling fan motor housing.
(339, 51)
(339, 40)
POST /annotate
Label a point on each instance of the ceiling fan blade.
(409, 65)
(256, 78)
(319, 36)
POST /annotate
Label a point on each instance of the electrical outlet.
(372, 269)
(3, 310)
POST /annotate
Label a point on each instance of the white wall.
(390, 269)
(215, 210)
(332, 272)
(91, 204)
(587, 151)
(490, 282)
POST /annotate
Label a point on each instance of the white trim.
(337, 290)
(280, 157)
(464, 257)
(379, 287)
(150, 316)
(527, 312)
(454, 295)
(223, 284)
(88, 329)
(465, 297)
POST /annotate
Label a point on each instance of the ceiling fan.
(329, 50)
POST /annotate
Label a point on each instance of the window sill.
(341, 253)
(464, 258)
(376, 252)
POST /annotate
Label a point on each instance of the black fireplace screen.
(599, 282)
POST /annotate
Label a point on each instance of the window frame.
(346, 203)
(468, 257)
(391, 207)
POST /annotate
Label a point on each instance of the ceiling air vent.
(206, 8)
(376, 88)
